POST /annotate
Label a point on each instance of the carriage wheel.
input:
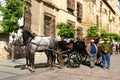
(75, 59)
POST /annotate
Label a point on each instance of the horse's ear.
(10, 33)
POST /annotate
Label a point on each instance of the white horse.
(15, 38)
(34, 44)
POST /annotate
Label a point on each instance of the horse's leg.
(53, 59)
(13, 52)
(31, 60)
(47, 55)
(27, 59)
(48, 58)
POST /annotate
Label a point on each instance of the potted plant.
(65, 30)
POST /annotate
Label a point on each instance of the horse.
(34, 44)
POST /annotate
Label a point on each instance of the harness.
(49, 48)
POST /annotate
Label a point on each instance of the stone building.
(109, 16)
(80, 14)
(45, 14)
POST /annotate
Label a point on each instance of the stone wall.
(3, 46)
(6, 50)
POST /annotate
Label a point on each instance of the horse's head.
(15, 38)
(12, 38)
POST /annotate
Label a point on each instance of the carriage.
(70, 48)
(71, 57)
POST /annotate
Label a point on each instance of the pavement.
(12, 71)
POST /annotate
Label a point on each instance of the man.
(106, 51)
(92, 51)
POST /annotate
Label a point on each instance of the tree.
(65, 30)
(11, 13)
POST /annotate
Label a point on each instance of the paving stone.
(11, 71)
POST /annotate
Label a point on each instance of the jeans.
(106, 60)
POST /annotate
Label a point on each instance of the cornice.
(109, 6)
(50, 3)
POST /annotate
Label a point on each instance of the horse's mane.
(27, 35)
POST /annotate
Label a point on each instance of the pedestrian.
(106, 51)
(92, 51)
(119, 48)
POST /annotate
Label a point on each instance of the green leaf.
(92, 31)
(11, 12)
(65, 30)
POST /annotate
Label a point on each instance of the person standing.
(118, 47)
(106, 51)
(92, 51)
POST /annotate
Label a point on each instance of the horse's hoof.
(26, 67)
(31, 69)
(61, 67)
(52, 68)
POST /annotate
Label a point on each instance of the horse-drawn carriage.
(50, 46)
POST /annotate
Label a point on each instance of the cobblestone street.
(59, 39)
(9, 72)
